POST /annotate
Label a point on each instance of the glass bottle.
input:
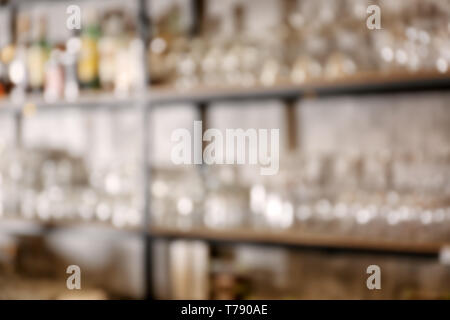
(165, 47)
(108, 47)
(6, 57)
(226, 202)
(17, 69)
(37, 56)
(135, 48)
(54, 76)
(89, 57)
(69, 59)
(129, 73)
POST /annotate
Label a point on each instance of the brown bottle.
(2, 79)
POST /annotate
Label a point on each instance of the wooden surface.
(296, 239)
(242, 236)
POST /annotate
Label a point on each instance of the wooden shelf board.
(36, 227)
(289, 238)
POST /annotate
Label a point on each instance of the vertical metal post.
(202, 115)
(143, 27)
(148, 243)
(18, 120)
(12, 7)
(291, 124)
(197, 11)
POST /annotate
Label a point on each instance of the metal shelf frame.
(145, 102)
(166, 97)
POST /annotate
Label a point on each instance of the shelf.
(93, 100)
(50, 2)
(34, 227)
(238, 236)
(23, 227)
(368, 83)
(305, 241)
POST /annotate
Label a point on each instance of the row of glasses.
(190, 198)
(176, 198)
(313, 41)
(51, 185)
(397, 197)
(383, 195)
